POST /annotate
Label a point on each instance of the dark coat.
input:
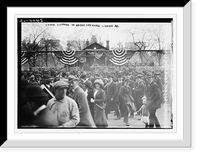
(111, 92)
(139, 92)
(85, 115)
(99, 114)
(153, 96)
(125, 94)
(91, 105)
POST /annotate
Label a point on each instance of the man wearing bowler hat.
(111, 97)
(153, 94)
(139, 91)
(64, 108)
(86, 119)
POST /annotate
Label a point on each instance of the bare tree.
(32, 34)
(158, 36)
(37, 38)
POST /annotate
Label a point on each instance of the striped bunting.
(68, 57)
(119, 53)
(118, 62)
(119, 57)
(69, 53)
(24, 59)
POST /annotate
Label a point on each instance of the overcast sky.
(114, 32)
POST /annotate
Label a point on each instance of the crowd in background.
(86, 98)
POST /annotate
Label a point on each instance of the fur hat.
(99, 81)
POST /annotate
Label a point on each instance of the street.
(163, 115)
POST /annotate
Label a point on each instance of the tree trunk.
(46, 56)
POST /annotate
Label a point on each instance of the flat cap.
(73, 78)
(60, 84)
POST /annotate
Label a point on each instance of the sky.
(114, 32)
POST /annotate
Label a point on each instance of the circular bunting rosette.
(69, 53)
(118, 62)
(24, 59)
(119, 57)
(119, 53)
(82, 60)
(68, 57)
(98, 55)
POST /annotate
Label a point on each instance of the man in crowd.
(63, 107)
(80, 97)
(153, 94)
(111, 99)
(158, 81)
(139, 91)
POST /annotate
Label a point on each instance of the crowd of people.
(84, 99)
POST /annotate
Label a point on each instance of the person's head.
(120, 78)
(127, 75)
(88, 85)
(139, 77)
(83, 77)
(35, 96)
(149, 77)
(157, 75)
(110, 78)
(98, 84)
(60, 88)
(74, 81)
(97, 76)
(126, 82)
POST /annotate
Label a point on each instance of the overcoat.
(85, 115)
(139, 93)
(111, 92)
(99, 111)
(153, 96)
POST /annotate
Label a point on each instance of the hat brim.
(61, 87)
(43, 95)
(98, 83)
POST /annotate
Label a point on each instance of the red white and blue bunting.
(24, 59)
(68, 57)
(119, 57)
(98, 55)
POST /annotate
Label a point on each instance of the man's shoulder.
(68, 99)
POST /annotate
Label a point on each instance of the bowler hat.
(60, 84)
(139, 76)
(157, 73)
(149, 75)
(83, 76)
(72, 78)
(109, 75)
(34, 91)
(88, 84)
